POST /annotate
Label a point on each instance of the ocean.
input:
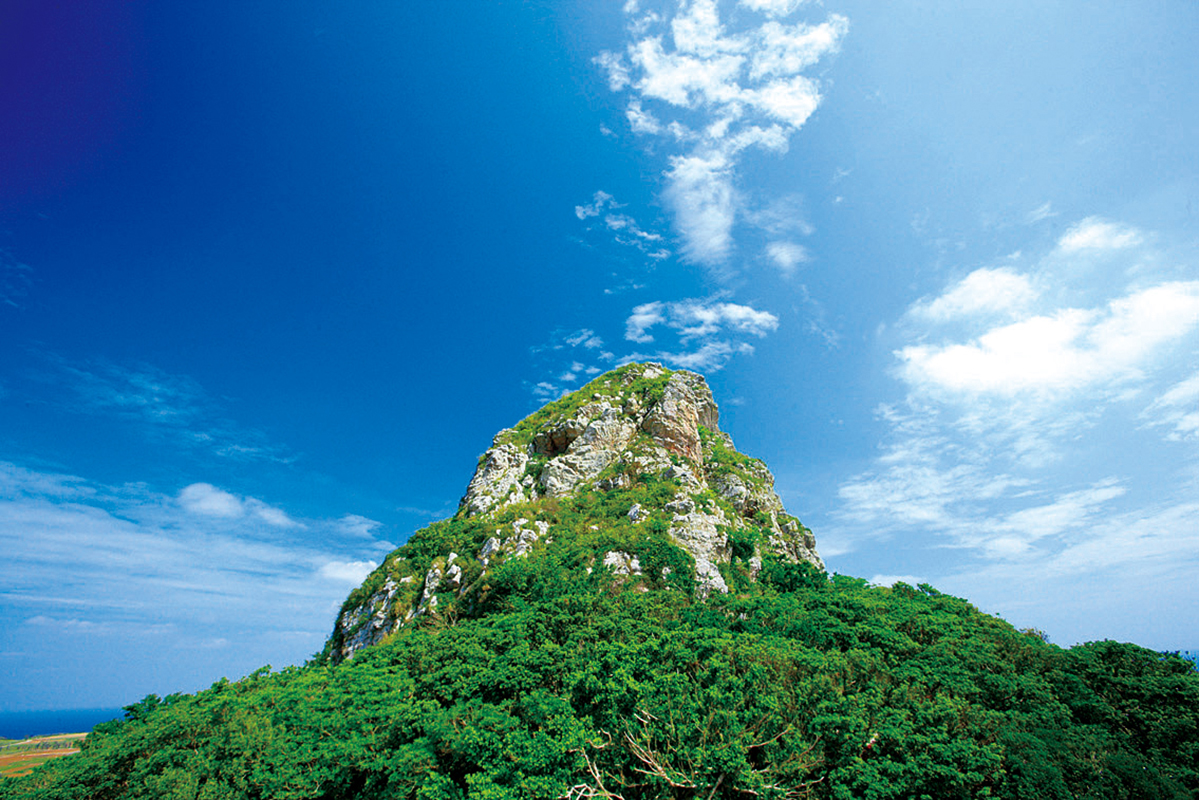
(23, 724)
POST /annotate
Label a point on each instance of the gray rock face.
(637, 421)
(589, 454)
(687, 403)
(372, 631)
(699, 533)
(497, 479)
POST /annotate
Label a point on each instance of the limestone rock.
(699, 533)
(622, 563)
(598, 446)
(638, 429)
(686, 404)
(497, 478)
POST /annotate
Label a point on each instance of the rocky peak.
(633, 469)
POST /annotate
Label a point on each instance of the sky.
(272, 275)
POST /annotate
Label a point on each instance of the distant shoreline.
(25, 724)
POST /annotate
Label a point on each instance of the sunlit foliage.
(570, 685)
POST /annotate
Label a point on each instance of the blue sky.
(271, 276)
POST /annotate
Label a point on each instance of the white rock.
(622, 563)
(497, 480)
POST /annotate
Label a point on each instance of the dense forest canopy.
(567, 685)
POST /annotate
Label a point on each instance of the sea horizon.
(24, 724)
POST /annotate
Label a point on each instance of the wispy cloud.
(135, 558)
(707, 333)
(1005, 380)
(787, 255)
(1044, 211)
(694, 319)
(623, 227)
(707, 357)
(568, 360)
(714, 93)
(1176, 410)
(207, 500)
(16, 279)
(160, 404)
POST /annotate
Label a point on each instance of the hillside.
(622, 608)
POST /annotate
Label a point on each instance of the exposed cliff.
(630, 474)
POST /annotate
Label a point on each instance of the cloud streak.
(193, 561)
(163, 406)
(624, 228)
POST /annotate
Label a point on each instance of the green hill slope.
(621, 608)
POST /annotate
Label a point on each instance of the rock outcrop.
(633, 458)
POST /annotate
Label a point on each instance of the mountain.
(631, 473)
(621, 608)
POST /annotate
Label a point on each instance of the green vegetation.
(626, 381)
(720, 458)
(567, 685)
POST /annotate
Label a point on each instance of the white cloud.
(781, 217)
(1014, 465)
(644, 316)
(703, 330)
(737, 89)
(640, 120)
(1131, 578)
(700, 192)
(693, 319)
(208, 500)
(708, 357)
(269, 514)
(1094, 233)
(772, 8)
(625, 228)
(787, 255)
(682, 80)
(585, 338)
(983, 292)
(351, 573)
(1067, 350)
(790, 101)
(618, 71)
(547, 391)
(194, 565)
(788, 49)
(1071, 510)
(360, 527)
(600, 201)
